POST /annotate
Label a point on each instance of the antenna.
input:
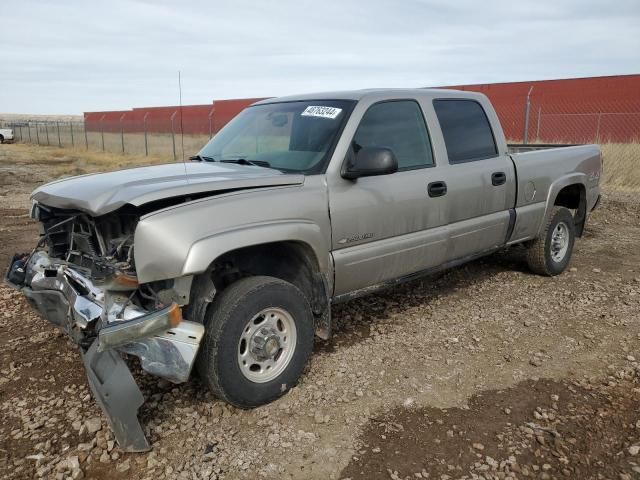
(181, 127)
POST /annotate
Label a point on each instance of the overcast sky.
(72, 56)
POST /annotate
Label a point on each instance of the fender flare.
(564, 181)
(206, 250)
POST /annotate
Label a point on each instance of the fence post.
(173, 136)
(144, 126)
(29, 127)
(71, 132)
(46, 130)
(210, 126)
(598, 127)
(37, 133)
(86, 138)
(527, 107)
(122, 132)
(102, 131)
(58, 128)
(538, 127)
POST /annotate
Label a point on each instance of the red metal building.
(192, 119)
(575, 110)
(578, 110)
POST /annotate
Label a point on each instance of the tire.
(1, 139)
(550, 253)
(259, 305)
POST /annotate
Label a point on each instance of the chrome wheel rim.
(559, 242)
(267, 344)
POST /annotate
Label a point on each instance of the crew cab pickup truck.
(231, 262)
(6, 135)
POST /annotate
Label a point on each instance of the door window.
(466, 130)
(398, 125)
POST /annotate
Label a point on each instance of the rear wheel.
(550, 253)
(259, 336)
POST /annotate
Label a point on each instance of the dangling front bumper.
(104, 325)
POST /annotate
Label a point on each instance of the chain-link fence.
(616, 132)
(169, 144)
(560, 123)
(159, 133)
(601, 127)
(163, 136)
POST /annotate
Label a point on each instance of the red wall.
(574, 110)
(192, 119)
(577, 110)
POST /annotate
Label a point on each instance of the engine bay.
(99, 247)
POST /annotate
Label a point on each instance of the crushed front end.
(81, 277)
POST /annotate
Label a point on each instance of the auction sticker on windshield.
(318, 111)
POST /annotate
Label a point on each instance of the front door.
(388, 226)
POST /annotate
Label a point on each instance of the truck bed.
(539, 166)
(542, 171)
(530, 147)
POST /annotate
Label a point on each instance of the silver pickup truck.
(231, 261)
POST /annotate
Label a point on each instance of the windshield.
(289, 136)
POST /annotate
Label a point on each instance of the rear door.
(480, 179)
(388, 226)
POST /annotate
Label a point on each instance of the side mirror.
(370, 161)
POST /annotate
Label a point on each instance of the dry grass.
(69, 161)
(621, 160)
(621, 166)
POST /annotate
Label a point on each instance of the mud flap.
(117, 393)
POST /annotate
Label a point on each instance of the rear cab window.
(466, 130)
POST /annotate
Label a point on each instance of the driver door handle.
(437, 189)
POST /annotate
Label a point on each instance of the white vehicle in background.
(6, 135)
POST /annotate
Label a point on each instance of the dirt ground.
(486, 371)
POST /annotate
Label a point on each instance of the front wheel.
(550, 253)
(258, 338)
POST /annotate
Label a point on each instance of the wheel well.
(291, 261)
(574, 197)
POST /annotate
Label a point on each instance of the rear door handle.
(498, 178)
(437, 189)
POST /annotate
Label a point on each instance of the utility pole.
(144, 126)
(526, 117)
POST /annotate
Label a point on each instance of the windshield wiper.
(201, 158)
(244, 161)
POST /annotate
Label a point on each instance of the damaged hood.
(101, 193)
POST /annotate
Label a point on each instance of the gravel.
(485, 327)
